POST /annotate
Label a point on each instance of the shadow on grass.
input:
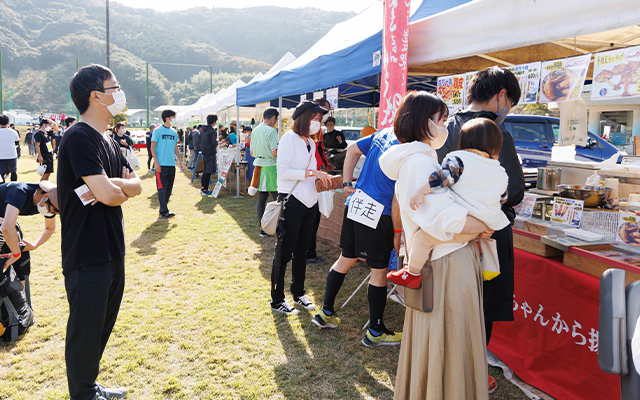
(206, 205)
(152, 234)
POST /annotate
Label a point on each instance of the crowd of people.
(419, 187)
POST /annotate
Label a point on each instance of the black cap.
(311, 105)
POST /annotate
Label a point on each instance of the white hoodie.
(410, 165)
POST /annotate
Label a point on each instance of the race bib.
(364, 209)
(49, 147)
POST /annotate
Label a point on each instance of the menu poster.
(467, 79)
(616, 74)
(451, 91)
(318, 95)
(562, 80)
(332, 97)
(629, 229)
(529, 79)
(524, 210)
(567, 211)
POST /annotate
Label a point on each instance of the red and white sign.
(553, 342)
(395, 38)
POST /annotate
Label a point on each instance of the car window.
(600, 143)
(528, 131)
(556, 132)
(351, 134)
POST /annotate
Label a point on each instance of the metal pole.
(238, 156)
(108, 34)
(211, 75)
(1, 93)
(77, 112)
(279, 116)
(148, 122)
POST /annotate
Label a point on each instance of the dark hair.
(489, 82)
(4, 120)
(269, 113)
(167, 114)
(412, 118)
(212, 119)
(44, 121)
(118, 125)
(12, 125)
(247, 129)
(87, 79)
(69, 120)
(301, 124)
(324, 102)
(330, 119)
(152, 126)
(481, 134)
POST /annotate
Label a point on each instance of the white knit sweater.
(480, 187)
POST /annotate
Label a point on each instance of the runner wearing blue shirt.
(367, 232)
(164, 148)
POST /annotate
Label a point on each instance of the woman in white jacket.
(297, 173)
(443, 353)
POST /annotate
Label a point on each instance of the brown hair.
(412, 118)
(301, 124)
(481, 134)
(115, 128)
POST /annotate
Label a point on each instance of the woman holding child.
(443, 353)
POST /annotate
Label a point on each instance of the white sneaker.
(285, 308)
(304, 302)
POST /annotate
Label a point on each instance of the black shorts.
(49, 163)
(7, 166)
(360, 241)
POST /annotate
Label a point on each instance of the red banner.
(395, 38)
(553, 342)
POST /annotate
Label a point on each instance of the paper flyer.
(562, 80)
(524, 210)
(616, 74)
(628, 230)
(529, 79)
(332, 98)
(467, 79)
(567, 211)
(318, 95)
(451, 91)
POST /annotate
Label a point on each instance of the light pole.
(1, 104)
(108, 34)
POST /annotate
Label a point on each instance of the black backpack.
(16, 315)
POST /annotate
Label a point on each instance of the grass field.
(195, 322)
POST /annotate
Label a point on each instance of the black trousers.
(262, 203)
(164, 183)
(313, 240)
(94, 293)
(298, 223)
(498, 292)
(150, 156)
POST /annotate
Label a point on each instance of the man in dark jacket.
(491, 94)
(209, 148)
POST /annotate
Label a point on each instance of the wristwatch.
(345, 184)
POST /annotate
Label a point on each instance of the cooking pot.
(548, 178)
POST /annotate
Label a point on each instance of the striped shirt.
(264, 139)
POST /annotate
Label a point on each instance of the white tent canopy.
(472, 36)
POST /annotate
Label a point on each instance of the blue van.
(534, 136)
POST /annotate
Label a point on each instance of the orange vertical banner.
(395, 47)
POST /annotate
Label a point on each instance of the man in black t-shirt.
(92, 236)
(147, 139)
(44, 148)
(19, 198)
(334, 143)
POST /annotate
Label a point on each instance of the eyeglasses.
(113, 87)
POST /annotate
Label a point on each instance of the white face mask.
(325, 118)
(502, 114)
(173, 121)
(314, 127)
(42, 209)
(119, 102)
(48, 129)
(442, 133)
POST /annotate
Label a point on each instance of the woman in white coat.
(443, 353)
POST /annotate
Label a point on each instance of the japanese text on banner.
(395, 44)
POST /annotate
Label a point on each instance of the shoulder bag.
(421, 298)
(275, 209)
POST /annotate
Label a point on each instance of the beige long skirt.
(443, 353)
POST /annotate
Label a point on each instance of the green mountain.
(40, 41)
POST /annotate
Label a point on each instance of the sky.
(172, 5)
